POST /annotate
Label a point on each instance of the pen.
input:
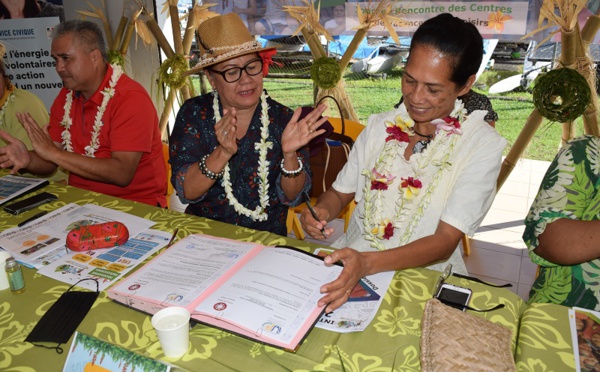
(312, 211)
(172, 237)
(35, 217)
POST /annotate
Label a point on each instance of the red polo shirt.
(130, 124)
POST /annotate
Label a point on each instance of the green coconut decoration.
(561, 95)
(325, 72)
(172, 71)
(116, 58)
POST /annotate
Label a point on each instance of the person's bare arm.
(117, 170)
(570, 242)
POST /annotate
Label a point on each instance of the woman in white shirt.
(422, 175)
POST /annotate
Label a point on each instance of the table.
(544, 342)
(391, 342)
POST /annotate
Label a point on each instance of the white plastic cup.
(3, 277)
(172, 326)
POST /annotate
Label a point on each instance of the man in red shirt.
(103, 125)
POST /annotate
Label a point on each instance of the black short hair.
(458, 39)
(88, 33)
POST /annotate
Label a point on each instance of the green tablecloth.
(391, 342)
(544, 342)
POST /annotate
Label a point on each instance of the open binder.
(267, 294)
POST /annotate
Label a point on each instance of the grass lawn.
(373, 95)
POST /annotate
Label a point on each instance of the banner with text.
(497, 20)
(500, 19)
(28, 62)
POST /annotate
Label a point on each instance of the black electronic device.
(29, 203)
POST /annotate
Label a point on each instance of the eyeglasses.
(231, 75)
(445, 275)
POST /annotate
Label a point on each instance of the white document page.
(184, 270)
(362, 305)
(274, 294)
(40, 242)
(105, 265)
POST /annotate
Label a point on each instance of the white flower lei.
(9, 99)
(259, 213)
(374, 198)
(66, 122)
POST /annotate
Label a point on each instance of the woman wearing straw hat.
(237, 155)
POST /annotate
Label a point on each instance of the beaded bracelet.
(294, 173)
(207, 172)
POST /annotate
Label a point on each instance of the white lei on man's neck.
(259, 213)
(67, 121)
(412, 201)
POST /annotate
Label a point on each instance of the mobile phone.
(29, 203)
(454, 296)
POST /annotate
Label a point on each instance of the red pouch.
(98, 236)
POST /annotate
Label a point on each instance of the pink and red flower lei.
(396, 133)
(380, 181)
(448, 124)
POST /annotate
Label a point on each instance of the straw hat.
(224, 37)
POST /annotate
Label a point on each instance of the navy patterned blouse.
(193, 137)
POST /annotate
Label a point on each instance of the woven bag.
(452, 340)
(326, 165)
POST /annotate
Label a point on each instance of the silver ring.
(309, 123)
(348, 291)
(310, 131)
(224, 132)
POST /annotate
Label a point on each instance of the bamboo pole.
(185, 92)
(176, 26)
(164, 117)
(568, 59)
(119, 34)
(107, 31)
(568, 132)
(340, 94)
(590, 29)
(568, 54)
(127, 37)
(531, 126)
(161, 40)
(313, 42)
(352, 47)
(590, 117)
(188, 36)
(590, 121)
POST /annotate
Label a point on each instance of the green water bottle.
(15, 276)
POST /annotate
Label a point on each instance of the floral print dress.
(569, 190)
(194, 136)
